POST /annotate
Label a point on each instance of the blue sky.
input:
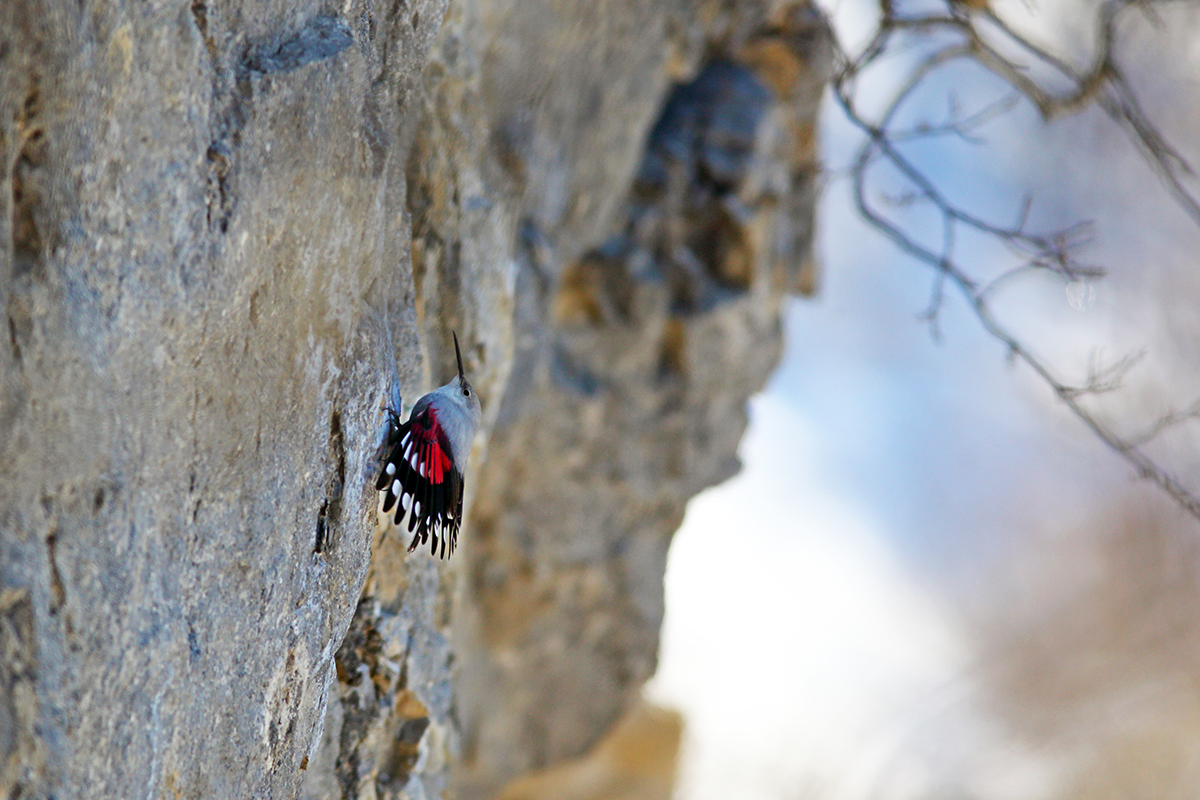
(891, 481)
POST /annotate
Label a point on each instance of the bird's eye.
(466, 392)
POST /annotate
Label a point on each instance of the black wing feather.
(441, 502)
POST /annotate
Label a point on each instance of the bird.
(425, 461)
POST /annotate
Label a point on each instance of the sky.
(893, 479)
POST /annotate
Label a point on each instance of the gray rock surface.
(201, 235)
(225, 226)
(635, 353)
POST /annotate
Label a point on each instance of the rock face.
(635, 356)
(226, 227)
(637, 760)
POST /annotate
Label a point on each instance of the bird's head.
(460, 390)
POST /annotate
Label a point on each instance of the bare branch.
(1104, 379)
(1103, 85)
(962, 127)
(1167, 421)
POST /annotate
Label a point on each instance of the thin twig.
(1102, 84)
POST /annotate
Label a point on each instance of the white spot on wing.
(421, 469)
(407, 437)
(406, 501)
(391, 470)
(395, 486)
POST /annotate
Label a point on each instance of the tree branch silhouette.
(975, 33)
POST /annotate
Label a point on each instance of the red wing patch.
(419, 479)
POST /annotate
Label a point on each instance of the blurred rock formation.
(226, 226)
(637, 760)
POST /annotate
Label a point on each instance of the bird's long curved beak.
(458, 355)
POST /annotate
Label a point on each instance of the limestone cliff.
(226, 225)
